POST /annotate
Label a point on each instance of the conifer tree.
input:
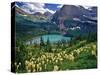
(41, 42)
(49, 48)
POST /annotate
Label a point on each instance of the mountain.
(38, 14)
(93, 11)
(68, 11)
(72, 11)
(34, 16)
(20, 11)
(48, 14)
(71, 19)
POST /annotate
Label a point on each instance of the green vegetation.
(27, 29)
(79, 53)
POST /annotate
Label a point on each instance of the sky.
(31, 7)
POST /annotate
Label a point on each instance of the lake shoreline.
(52, 37)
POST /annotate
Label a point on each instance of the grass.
(81, 55)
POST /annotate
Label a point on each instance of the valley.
(63, 40)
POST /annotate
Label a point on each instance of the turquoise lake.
(52, 37)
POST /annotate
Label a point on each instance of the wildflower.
(58, 55)
(29, 65)
(38, 59)
(17, 66)
(34, 70)
(19, 63)
(33, 66)
(53, 59)
(66, 56)
(47, 60)
(64, 52)
(26, 62)
(71, 57)
(43, 56)
(94, 47)
(37, 67)
(53, 49)
(81, 49)
(27, 68)
(61, 59)
(78, 51)
(30, 53)
(93, 53)
(39, 64)
(15, 63)
(43, 62)
(50, 61)
(56, 61)
(45, 66)
(56, 68)
(33, 58)
(29, 71)
(40, 69)
(72, 53)
(32, 62)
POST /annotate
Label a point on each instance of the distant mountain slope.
(20, 11)
(72, 11)
(71, 19)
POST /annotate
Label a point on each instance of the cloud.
(59, 6)
(51, 11)
(86, 7)
(35, 7)
(16, 5)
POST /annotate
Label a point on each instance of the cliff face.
(72, 11)
(72, 16)
(67, 12)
